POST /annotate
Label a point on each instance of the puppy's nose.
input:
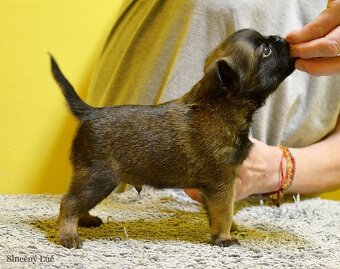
(276, 38)
(279, 42)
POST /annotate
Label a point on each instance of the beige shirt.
(157, 49)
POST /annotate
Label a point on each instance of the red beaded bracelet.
(285, 179)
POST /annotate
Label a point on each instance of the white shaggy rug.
(166, 229)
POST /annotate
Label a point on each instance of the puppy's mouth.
(291, 60)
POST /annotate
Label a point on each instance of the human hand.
(259, 173)
(317, 45)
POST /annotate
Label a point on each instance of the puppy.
(196, 141)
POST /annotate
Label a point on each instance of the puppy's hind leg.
(89, 221)
(85, 192)
(220, 203)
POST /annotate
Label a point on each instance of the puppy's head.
(248, 64)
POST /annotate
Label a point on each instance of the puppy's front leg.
(219, 202)
(67, 225)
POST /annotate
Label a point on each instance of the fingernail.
(291, 37)
(288, 38)
(299, 66)
(293, 51)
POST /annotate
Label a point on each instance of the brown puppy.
(196, 141)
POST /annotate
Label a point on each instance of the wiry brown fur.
(196, 141)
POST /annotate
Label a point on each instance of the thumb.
(319, 67)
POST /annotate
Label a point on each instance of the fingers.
(197, 195)
(194, 194)
(329, 46)
(323, 24)
(253, 140)
(317, 45)
(319, 67)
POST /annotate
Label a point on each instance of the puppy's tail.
(78, 107)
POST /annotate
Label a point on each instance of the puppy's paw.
(225, 242)
(89, 221)
(70, 241)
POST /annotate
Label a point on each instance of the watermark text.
(30, 258)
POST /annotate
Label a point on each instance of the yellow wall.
(335, 195)
(35, 126)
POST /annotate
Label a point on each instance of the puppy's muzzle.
(280, 44)
(283, 49)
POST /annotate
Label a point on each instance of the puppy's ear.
(228, 77)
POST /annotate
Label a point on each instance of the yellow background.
(36, 128)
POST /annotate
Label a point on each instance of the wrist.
(269, 181)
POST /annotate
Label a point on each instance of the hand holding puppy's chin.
(316, 45)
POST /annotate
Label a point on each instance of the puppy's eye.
(266, 51)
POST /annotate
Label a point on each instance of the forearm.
(318, 165)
